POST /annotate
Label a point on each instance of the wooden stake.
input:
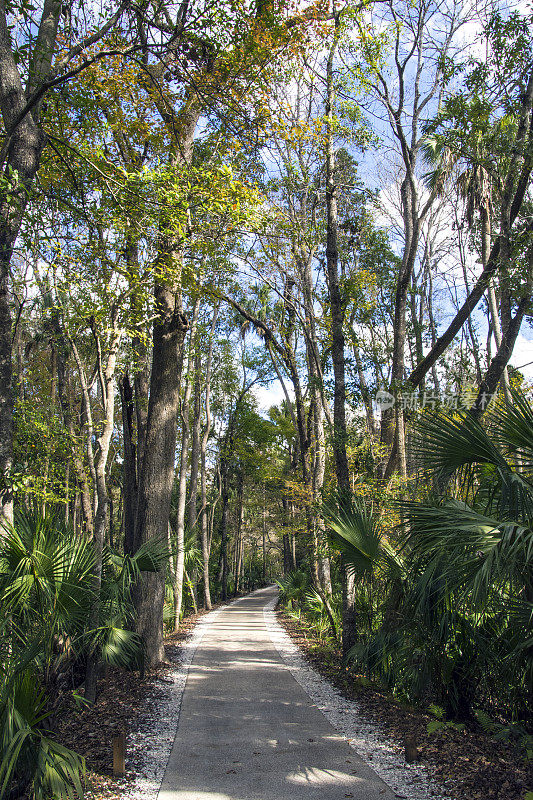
(119, 755)
(411, 750)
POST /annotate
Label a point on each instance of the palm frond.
(355, 532)
(468, 551)
(119, 646)
(515, 430)
(449, 445)
(444, 444)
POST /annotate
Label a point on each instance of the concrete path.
(248, 731)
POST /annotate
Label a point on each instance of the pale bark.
(239, 543)
(177, 578)
(21, 156)
(63, 393)
(99, 459)
(491, 297)
(263, 542)
(498, 364)
(192, 501)
(415, 82)
(203, 467)
(512, 200)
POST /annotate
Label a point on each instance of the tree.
(508, 72)
(27, 73)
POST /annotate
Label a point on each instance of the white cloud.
(268, 396)
(523, 353)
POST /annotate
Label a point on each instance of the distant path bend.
(248, 731)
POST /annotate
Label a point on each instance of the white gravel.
(149, 747)
(410, 781)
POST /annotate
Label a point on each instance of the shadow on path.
(248, 731)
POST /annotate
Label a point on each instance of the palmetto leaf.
(444, 444)
(515, 430)
(295, 585)
(356, 533)
(193, 555)
(469, 551)
(10, 757)
(150, 557)
(42, 564)
(119, 647)
(59, 772)
(47, 591)
(24, 743)
(447, 445)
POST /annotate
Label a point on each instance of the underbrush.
(471, 763)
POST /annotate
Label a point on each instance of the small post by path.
(119, 755)
(411, 750)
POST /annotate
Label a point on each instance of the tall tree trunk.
(319, 469)
(99, 460)
(129, 466)
(264, 537)
(21, 156)
(496, 367)
(182, 479)
(471, 333)
(192, 501)
(26, 141)
(203, 466)
(6, 396)
(491, 296)
(371, 423)
(337, 346)
(65, 403)
(239, 532)
(316, 426)
(516, 185)
(141, 386)
(157, 475)
(223, 530)
(226, 456)
(195, 445)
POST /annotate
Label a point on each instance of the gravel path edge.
(411, 781)
(150, 746)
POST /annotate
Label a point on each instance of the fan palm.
(316, 609)
(294, 587)
(471, 554)
(355, 531)
(482, 541)
(46, 582)
(46, 591)
(28, 754)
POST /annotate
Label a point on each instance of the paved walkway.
(248, 731)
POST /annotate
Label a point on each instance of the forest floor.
(468, 763)
(125, 703)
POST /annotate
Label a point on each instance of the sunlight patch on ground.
(193, 794)
(324, 776)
